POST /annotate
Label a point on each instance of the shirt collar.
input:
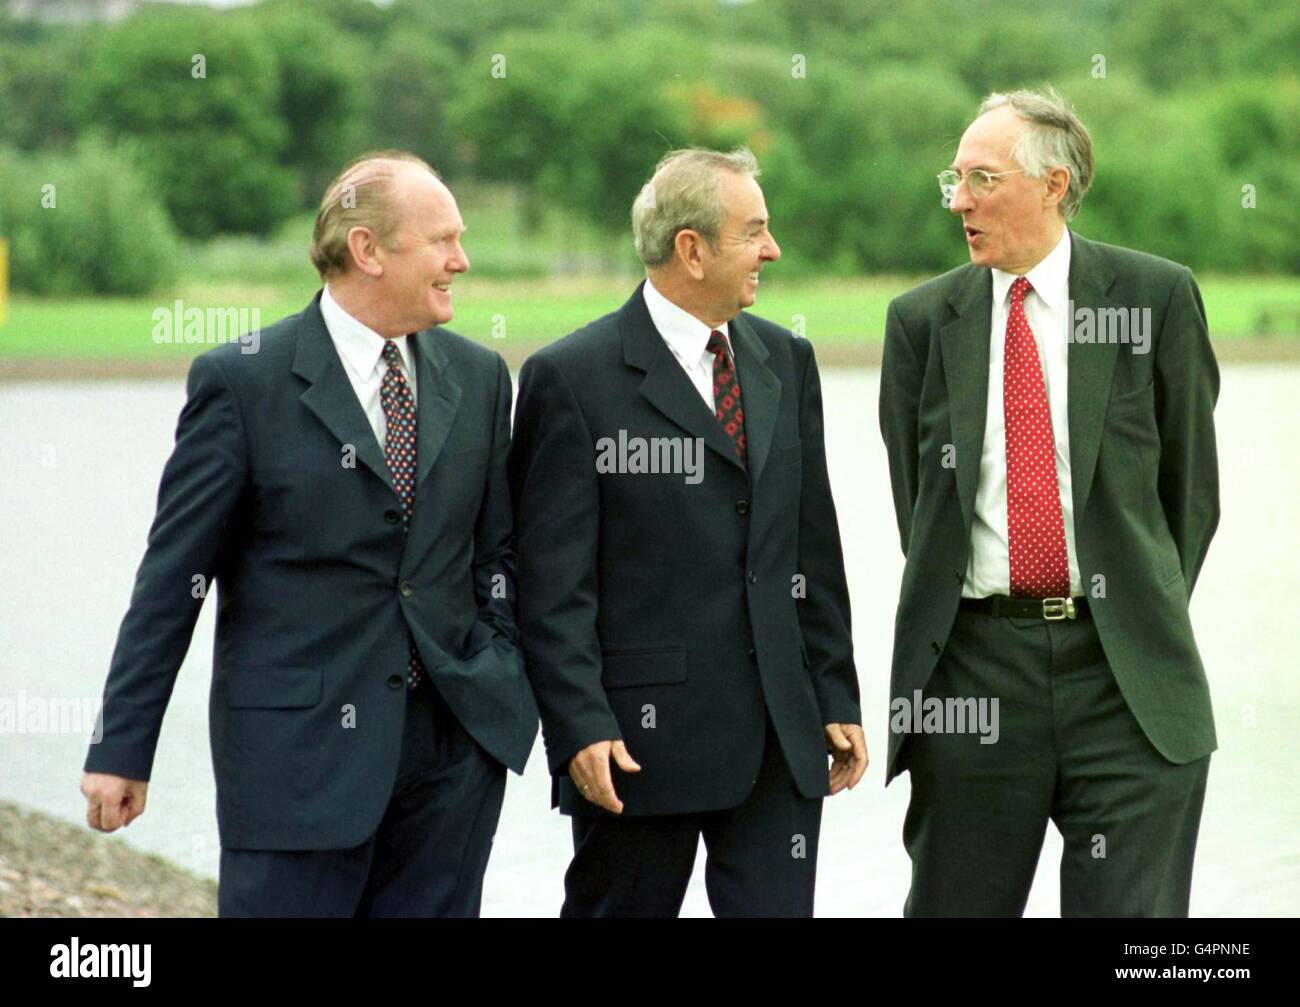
(360, 346)
(1050, 278)
(685, 334)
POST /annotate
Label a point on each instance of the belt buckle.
(1056, 609)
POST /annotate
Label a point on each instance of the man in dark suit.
(1056, 487)
(682, 595)
(345, 488)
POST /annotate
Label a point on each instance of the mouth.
(972, 232)
(754, 275)
(444, 287)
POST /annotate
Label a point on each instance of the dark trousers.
(428, 856)
(1068, 750)
(761, 855)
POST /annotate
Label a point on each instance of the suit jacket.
(318, 588)
(1142, 462)
(667, 613)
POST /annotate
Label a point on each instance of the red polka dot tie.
(726, 393)
(1040, 566)
(399, 451)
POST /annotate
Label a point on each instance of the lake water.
(81, 462)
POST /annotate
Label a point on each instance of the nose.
(771, 251)
(459, 261)
(962, 200)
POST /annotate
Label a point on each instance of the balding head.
(366, 194)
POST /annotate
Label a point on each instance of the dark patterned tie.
(726, 393)
(399, 451)
(1040, 565)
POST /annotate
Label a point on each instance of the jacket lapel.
(1091, 367)
(330, 395)
(438, 399)
(964, 343)
(760, 395)
(665, 385)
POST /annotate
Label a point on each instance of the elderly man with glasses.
(1048, 411)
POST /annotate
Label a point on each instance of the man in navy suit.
(345, 488)
(682, 593)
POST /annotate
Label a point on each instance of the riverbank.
(1244, 350)
(55, 869)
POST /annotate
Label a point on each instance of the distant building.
(67, 11)
(71, 10)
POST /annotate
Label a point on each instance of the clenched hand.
(112, 801)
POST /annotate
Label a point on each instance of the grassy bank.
(54, 868)
(530, 312)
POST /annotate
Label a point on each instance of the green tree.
(199, 92)
(84, 221)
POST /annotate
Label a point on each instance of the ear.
(688, 250)
(364, 250)
(1058, 183)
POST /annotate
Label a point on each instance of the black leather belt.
(1051, 609)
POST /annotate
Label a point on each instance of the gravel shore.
(51, 868)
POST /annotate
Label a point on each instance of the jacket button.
(934, 645)
(753, 577)
(406, 589)
(961, 578)
(392, 517)
(753, 652)
(742, 507)
(395, 681)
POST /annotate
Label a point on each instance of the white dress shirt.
(687, 337)
(362, 351)
(989, 569)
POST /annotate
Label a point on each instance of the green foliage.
(84, 221)
(855, 186)
(413, 81)
(213, 144)
(851, 107)
(35, 111)
(320, 91)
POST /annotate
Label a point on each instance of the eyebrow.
(757, 222)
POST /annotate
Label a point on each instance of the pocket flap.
(643, 666)
(274, 688)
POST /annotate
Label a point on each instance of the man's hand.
(112, 801)
(589, 770)
(848, 747)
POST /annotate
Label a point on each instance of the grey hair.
(684, 192)
(1054, 137)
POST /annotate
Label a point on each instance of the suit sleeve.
(557, 523)
(824, 619)
(494, 557)
(200, 488)
(900, 397)
(1186, 389)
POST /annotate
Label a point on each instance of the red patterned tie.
(1040, 566)
(726, 393)
(399, 451)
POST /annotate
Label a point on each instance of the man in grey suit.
(345, 487)
(1048, 415)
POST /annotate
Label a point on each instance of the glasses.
(978, 181)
